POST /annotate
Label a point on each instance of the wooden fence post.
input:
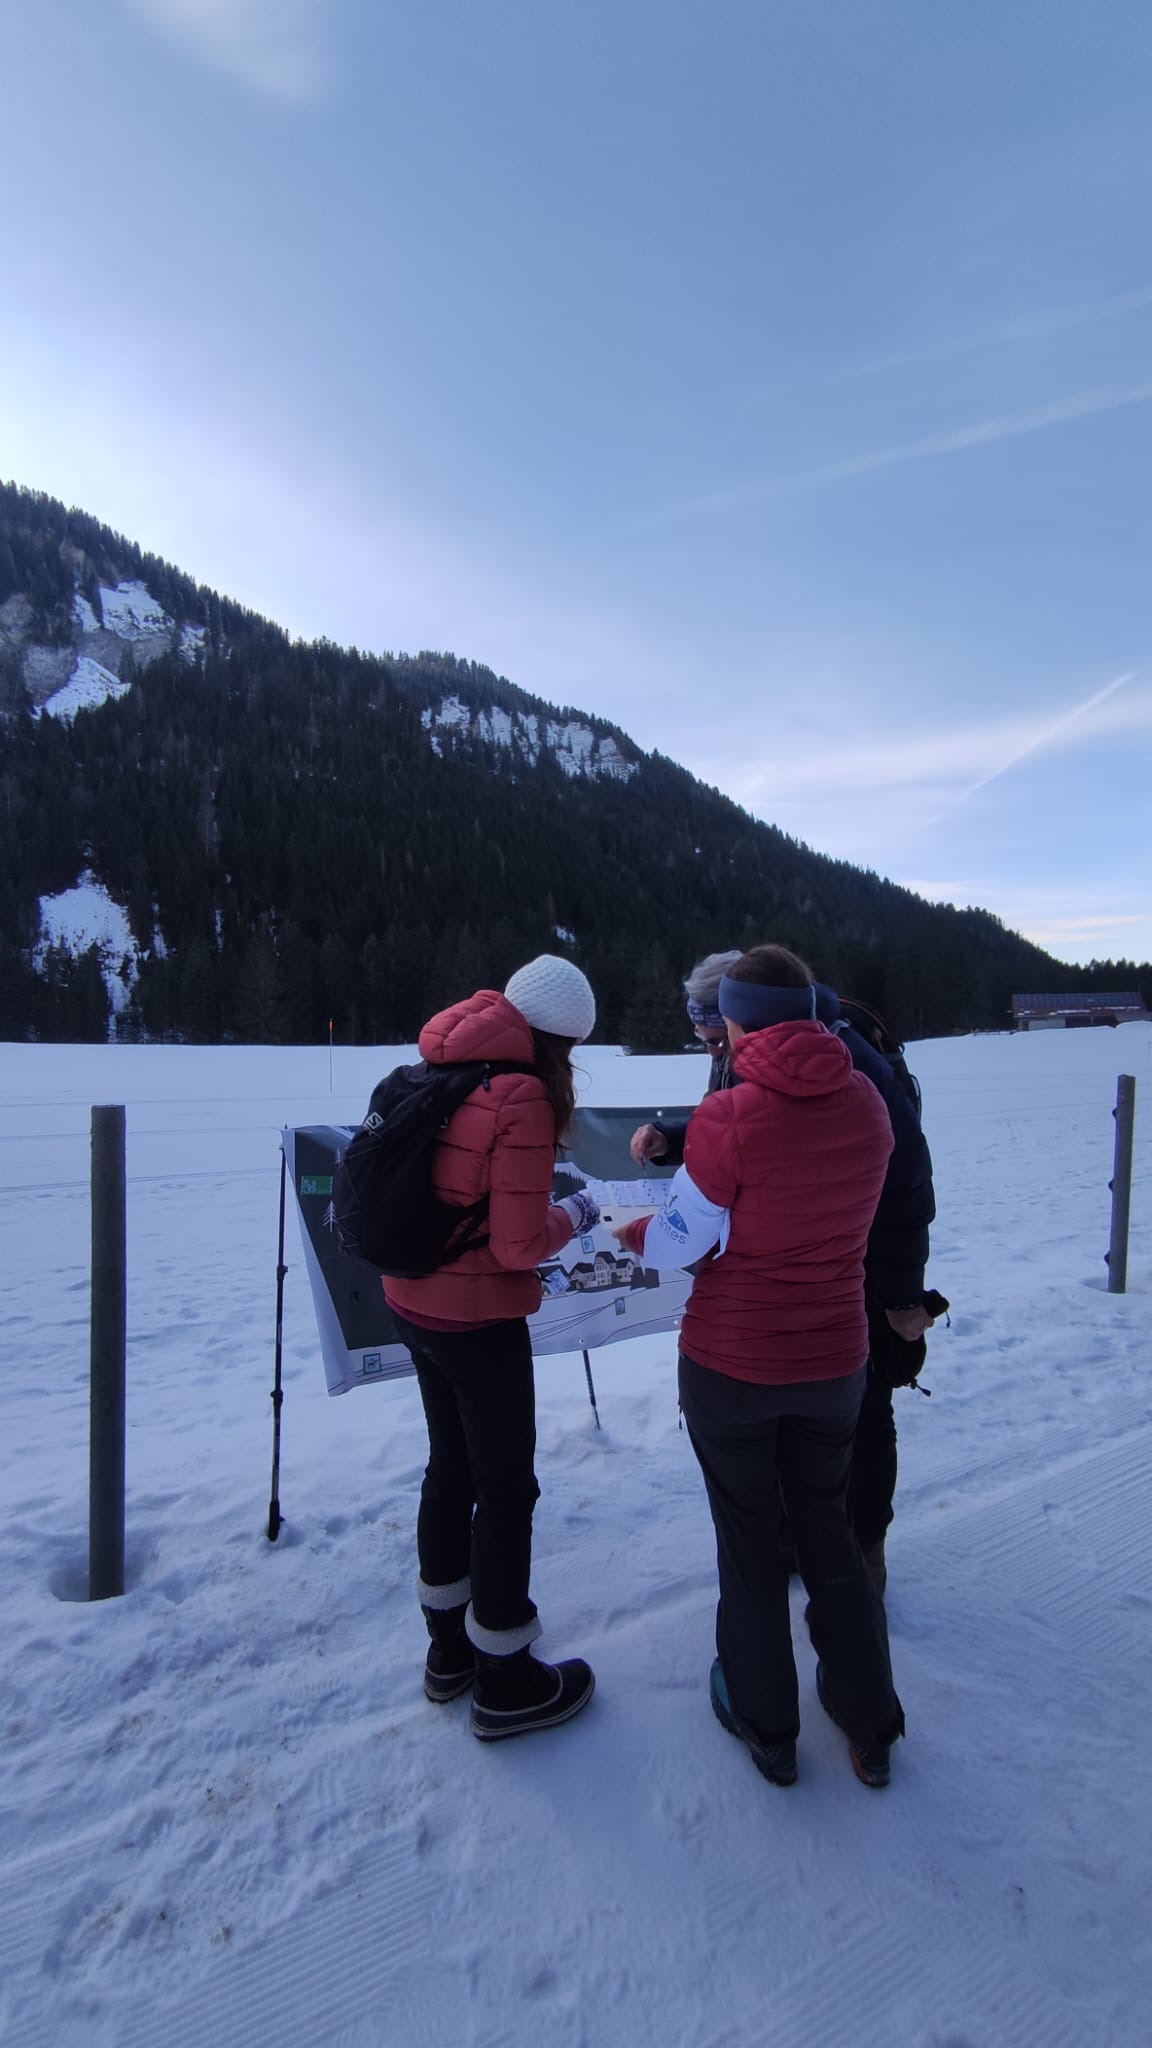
(108, 1333)
(1121, 1183)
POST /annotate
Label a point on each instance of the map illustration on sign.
(594, 1291)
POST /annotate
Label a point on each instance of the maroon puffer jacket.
(797, 1151)
(501, 1142)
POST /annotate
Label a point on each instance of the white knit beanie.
(552, 995)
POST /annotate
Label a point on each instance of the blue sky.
(774, 379)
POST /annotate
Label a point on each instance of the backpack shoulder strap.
(485, 1069)
(876, 1034)
(391, 1088)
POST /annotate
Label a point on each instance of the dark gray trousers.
(761, 1448)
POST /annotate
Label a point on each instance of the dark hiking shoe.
(451, 1665)
(516, 1695)
(871, 1765)
(775, 1761)
(870, 1761)
(874, 1559)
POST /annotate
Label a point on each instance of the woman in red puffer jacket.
(781, 1176)
(466, 1329)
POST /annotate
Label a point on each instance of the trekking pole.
(274, 1516)
(1121, 1184)
(591, 1388)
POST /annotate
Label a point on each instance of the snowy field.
(228, 1815)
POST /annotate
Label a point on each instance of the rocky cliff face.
(575, 746)
(110, 635)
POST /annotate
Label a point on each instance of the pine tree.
(259, 1011)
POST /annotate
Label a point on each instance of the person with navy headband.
(898, 1243)
(773, 1205)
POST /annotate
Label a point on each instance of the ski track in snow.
(228, 1814)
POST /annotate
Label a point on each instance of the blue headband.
(753, 1005)
(699, 1013)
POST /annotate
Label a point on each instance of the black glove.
(895, 1361)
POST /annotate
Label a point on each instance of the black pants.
(475, 1519)
(759, 1445)
(872, 1478)
(872, 1483)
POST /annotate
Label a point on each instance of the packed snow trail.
(229, 1814)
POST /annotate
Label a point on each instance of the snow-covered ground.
(227, 1813)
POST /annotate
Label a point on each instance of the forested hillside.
(302, 832)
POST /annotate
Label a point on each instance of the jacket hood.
(827, 1004)
(484, 1027)
(798, 1058)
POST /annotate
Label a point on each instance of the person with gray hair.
(660, 1142)
(771, 1211)
(897, 1244)
(702, 985)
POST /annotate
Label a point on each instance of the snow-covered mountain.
(77, 626)
(116, 631)
(575, 747)
(212, 831)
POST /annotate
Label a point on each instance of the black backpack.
(386, 1208)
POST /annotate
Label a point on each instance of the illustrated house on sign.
(600, 1272)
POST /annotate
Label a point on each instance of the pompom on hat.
(552, 995)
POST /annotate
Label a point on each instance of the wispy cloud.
(1051, 734)
(1079, 405)
(1025, 327)
(947, 765)
(275, 47)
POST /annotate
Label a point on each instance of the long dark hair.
(552, 1059)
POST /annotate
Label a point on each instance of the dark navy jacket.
(898, 1241)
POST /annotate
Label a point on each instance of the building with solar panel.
(1067, 1012)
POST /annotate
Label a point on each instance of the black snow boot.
(451, 1665)
(514, 1695)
